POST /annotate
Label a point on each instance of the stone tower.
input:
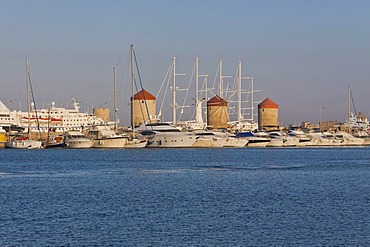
(143, 111)
(103, 113)
(217, 112)
(268, 115)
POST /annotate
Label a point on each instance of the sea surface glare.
(186, 197)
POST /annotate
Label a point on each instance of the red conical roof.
(268, 103)
(217, 101)
(144, 95)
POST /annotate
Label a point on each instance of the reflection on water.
(185, 197)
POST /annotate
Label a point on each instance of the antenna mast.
(221, 79)
(239, 91)
(132, 88)
(28, 98)
(115, 99)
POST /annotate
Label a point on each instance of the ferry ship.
(53, 118)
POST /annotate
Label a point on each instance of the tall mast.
(198, 102)
(197, 117)
(49, 120)
(206, 96)
(221, 79)
(174, 90)
(132, 88)
(252, 100)
(349, 104)
(28, 98)
(115, 99)
(239, 91)
(174, 106)
(196, 80)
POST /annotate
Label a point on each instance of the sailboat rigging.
(25, 142)
(134, 141)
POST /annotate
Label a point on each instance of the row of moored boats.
(163, 135)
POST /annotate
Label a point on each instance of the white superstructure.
(7, 117)
(58, 119)
(166, 136)
(104, 137)
(75, 139)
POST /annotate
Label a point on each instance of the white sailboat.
(243, 123)
(24, 142)
(164, 135)
(102, 135)
(197, 123)
(133, 140)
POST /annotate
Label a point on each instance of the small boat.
(23, 142)
(105, 137)
(259, 139)
(75, 139)
(54, 142)
(136, 143)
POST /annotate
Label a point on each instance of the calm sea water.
(185, 197)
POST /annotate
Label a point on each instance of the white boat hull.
(136, 143)
(275, 143)
(291, 142)
(355, 142)
(256, 141)
(207, 143)
(109, 143)
(366, 141)
(306, 143)
(233, 142)
(170, 140)
(82, 143)
(24, 144)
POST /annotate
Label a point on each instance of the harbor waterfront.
(185, 197)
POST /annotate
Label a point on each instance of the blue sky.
(302, 54)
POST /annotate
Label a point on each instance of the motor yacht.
(303, 139)
(104, 137)
(75, 139)
(207, 139)
(258, 139)
(281, 138)
(163, 135)
(348, 139)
